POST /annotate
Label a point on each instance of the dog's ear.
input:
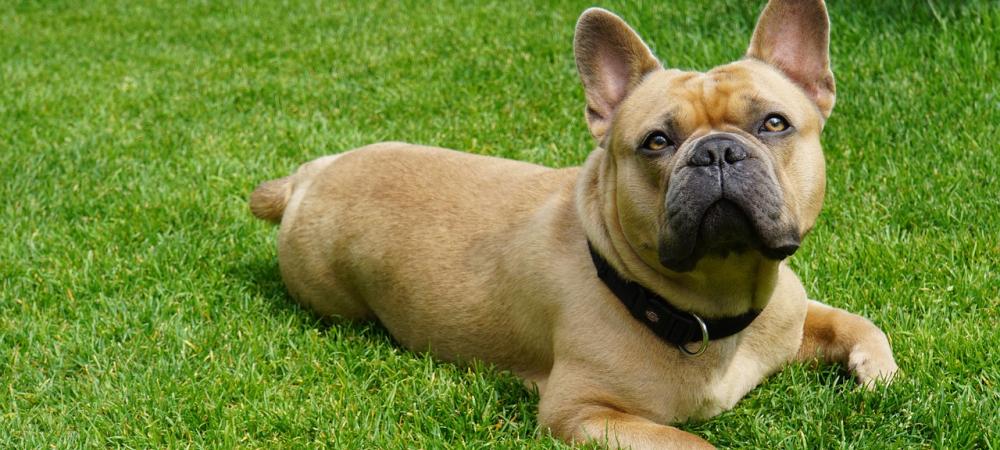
(794, 36)
(612, 60)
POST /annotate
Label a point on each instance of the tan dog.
(702, 183)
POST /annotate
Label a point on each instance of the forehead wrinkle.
(729, 83)
(714, 98)
(711, 99)
(691, 94)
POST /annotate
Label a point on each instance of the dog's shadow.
(260, 278)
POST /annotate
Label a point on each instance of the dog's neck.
(716, 287)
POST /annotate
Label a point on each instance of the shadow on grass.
(261, 278)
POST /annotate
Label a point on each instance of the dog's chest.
(676, 387)
(702, 389)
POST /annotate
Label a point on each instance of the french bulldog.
(647, 287)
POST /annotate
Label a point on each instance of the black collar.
(669, 323)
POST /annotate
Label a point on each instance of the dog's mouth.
(725, 226)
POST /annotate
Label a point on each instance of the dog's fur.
(472, 257)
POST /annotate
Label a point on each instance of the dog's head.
(710, 163)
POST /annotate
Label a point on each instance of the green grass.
(140, 304)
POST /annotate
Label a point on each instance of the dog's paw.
(872, 363)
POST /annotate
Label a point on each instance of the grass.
(140, 304)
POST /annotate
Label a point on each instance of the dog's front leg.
(837, 336)
(582, 421)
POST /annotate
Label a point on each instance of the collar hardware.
(704, 338)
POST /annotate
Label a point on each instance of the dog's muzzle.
(724, 198)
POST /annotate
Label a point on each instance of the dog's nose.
(718, 150)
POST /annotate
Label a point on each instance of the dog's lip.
(682, 253)
(717, 211)
(781, 251)
(680, 265)
(695, 247)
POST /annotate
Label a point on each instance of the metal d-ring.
(704, 338)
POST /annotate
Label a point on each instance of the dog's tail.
(268, 201)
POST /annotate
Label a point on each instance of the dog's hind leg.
(304, 255)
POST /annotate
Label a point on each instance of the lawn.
(140, 302)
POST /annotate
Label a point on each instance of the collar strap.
(669, 323)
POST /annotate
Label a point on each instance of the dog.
(645, 288)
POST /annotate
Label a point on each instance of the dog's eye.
(774, 123)
(657, 142)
